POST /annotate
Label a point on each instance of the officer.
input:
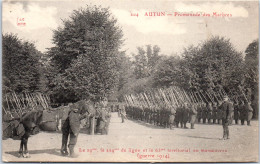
(71, 128)
(193, 115)
(227, 108)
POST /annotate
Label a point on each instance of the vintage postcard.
(130, 81)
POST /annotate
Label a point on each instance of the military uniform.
(172, 117)
(210, 113)
(71, 127)
(249, 110)
(236, 113)
(178, 116)
(204, 113)
(243, 112)
(123, 113)
(193, 114)
(219, 113)
(185, 116)
(227, 108)
(215, 113)
(199, 114)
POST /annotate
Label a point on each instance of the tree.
(214, 65)
(145, 61)
(251, 65)
(251, 73)
(85, 54)
(21, 67)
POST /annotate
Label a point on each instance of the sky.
(171, 33)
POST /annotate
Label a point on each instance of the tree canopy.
(85, 54)
(21, 67)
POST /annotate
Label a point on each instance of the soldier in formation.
(190, 112)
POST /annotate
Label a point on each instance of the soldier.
(219, 112)
(185, 116)
(243, 112)
(249, 110)
(118, 110)
(108, 117)
(172, 117)
(193, 114)
(103, 124)
(178, 116)
(204, 112)
(71, 128)
(165, 117)
(123, 113)
(199, 110)
(236, 112)
(215, 113)
(227, 108)
(209, 114)
(232, 114)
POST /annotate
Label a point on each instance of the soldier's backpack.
(49, 120)
(13, 129)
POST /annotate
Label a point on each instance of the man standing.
(249, 110)
(227, 108)
(204, 112)
(243, 112)
(178, 116)
(220, 112)
(215, 113)
(71, 128)
(185, 115)
(209, 114)
(199, 110)
(236, 112)
(193, 114)
(123, 113)
(172, 117)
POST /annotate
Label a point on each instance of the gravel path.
(136, 141)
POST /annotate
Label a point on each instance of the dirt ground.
(134, 141)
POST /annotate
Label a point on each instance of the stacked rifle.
(19, 104)
(173, 97)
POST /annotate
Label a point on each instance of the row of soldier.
(179, 116)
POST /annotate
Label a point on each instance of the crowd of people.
(97, 117)
(179, 116)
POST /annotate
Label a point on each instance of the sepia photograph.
(130, 81)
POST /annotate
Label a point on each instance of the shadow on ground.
(47, 151)
(146, 124)
(209, 138)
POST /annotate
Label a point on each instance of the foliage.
(211, 66)
(85, 55)
(21, 67)
(252, 74)
(145, 61)
(214, 65)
